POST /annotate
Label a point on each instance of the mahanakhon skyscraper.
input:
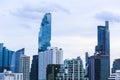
(45, 33)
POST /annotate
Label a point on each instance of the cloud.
(34, 11)
(25, 14)
(25, 26)
(108, 16)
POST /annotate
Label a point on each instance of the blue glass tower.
(103, 46)
(45, 33)
(10, 54)
(1, 56)
(16, 60)
(5, 58)
(103, 53)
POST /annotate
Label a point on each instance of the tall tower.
(103, 46)
(99, 64)
(104, 51)
(45, 33)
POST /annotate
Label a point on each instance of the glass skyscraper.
(34, 68)
(98, 65)
(1, 56)
(15, 64)
(103, 50)
(45, 33)
(5, 58)
(103, 46)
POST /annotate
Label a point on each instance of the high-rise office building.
(75, 70)
(50, 56)
(98, 65)
(5, 58)
(103, 47)
(34, 68)
(45, 33)
(25, 67)
(15, 64)
(71, 70)
(116, 65)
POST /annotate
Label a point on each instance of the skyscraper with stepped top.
(98, 65)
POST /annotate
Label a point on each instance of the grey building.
(25, 67)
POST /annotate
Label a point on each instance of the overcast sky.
(74, 24)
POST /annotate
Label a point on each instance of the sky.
(74, 25)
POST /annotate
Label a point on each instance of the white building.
(50, 56)
(115, 76)
(8, 75)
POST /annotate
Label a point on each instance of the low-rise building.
(115, 76)
(8, 75)
(116, 65)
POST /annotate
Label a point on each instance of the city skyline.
(74, 27)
